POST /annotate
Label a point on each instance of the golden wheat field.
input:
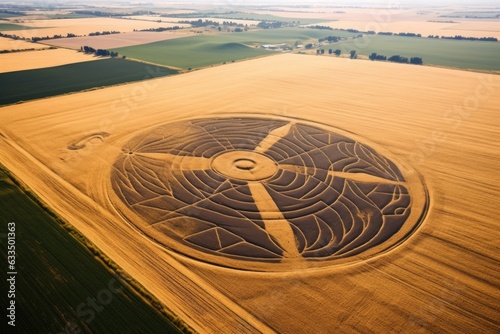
(10, 44)
(29, 60)
(80, 27)
(163, 175)
(117, 40)
(177, 19)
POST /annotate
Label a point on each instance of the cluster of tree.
(403, 34)
(320, 27)
(15, 37)
(97, 33)
(405, 60)
(482, 39)
(232, 24)
(354, 31)
(99, 13)
(337, 52)
(397, 59)
(408, 34)
(308, 46)
(17, 50)
(160, 29)
(272, 24)
(331, 39)
(197, 14)
(375, 56)
(200, 23)
(99, 52)
(36, 39)
(112, 14)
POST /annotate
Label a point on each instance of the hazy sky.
(495, 3)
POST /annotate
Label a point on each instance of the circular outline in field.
(244, 165)
(271, 194)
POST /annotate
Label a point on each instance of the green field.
(60, 286)
(450, 53)
(32, 84)
(12, 26)
(201, 51)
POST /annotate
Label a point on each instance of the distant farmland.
(450, 53)
(200, 51)
(33, 84)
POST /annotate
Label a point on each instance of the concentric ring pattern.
(260, 189)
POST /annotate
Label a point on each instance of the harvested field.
(437, 126)
(11, 44)
(11, 62)
(117, 40)
(81, 27)
(177, 19)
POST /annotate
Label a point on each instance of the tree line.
(460, 38)
(205, 23)
(397, 59)
(411, 34)
(111, 14)
(30, 49)
(97, 33)
(320, 27)
(99, 52)
(330, 39)
(160, 29)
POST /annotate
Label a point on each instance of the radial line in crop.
(274, 221)
(273, 137)
(363, 177)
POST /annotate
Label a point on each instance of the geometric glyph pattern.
(260, 189)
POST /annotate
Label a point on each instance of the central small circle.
(244, 165)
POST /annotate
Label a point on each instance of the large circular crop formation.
(265, 193)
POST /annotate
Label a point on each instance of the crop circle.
(265, 194)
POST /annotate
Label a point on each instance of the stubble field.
(117, 40)
(427, 136)
(9, 44)
(42, 28)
